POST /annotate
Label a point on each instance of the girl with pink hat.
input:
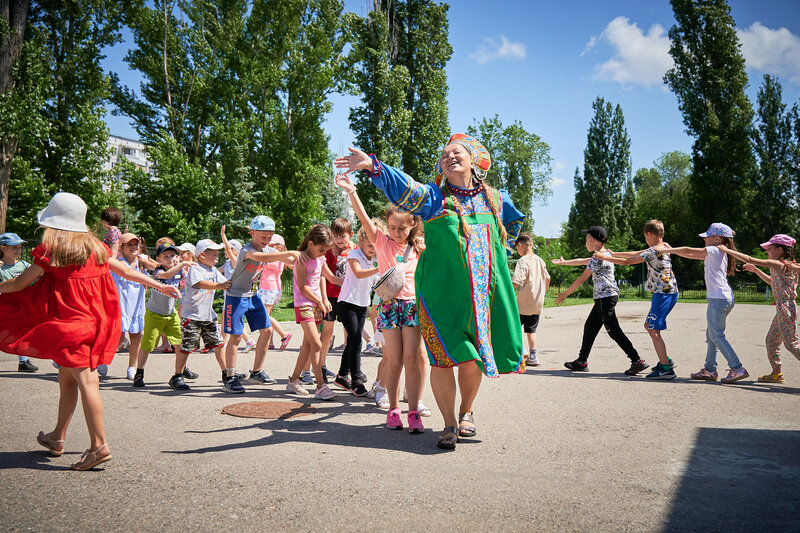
(783, 280)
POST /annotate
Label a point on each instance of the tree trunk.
(15, 13)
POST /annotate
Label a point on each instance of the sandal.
(56, 447)
(448, 438)
(772, 378)
(92, 458)
(466, 425)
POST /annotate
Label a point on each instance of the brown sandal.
(92, 458)
(466, 425)
(56, 447)
(448, 438)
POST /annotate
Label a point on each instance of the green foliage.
(772, 205)
(600, 194)
(400, 51)
(520, 163)
(709, 80)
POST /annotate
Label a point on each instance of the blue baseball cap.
(718, 228)
(262, 223)
(11, 239)
(164, 247)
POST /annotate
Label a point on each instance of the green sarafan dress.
(465, 299)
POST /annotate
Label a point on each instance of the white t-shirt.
(716, 274)
(197, 303)
(356, 291)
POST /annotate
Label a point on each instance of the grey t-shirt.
(197, 303)
(161, 304)
(246, 275)
(603, 277)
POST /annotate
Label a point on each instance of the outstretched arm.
(572, 288)
(28, 276)
(750, 267)
(580, 261)
(346, 182)
(744, 258)
(630, 260)
(121, 269)
(698, 254)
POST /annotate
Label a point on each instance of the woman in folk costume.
(466, 302)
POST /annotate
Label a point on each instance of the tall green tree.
(772, 206)
(709, 80)
(400, 51)
(70, 153)
(601, 191)
(520, 163)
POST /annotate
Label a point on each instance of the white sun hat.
(66, 211)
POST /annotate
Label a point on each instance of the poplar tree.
(600, 194)
(709, 80)
(772, 206)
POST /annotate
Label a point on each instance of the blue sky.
(543, 63)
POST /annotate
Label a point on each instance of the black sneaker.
(261, 377)
(343, 382)
(233, 386)
(237, 375)
(327, 374)
(27, 366)
(177, 383)
(188, 374)
(636, 367)
(138, 379)
(359, 390)
(577, 365)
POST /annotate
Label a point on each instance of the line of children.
(606, 294)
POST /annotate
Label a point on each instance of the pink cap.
(277, 239)
(781, 239)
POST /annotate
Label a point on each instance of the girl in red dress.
(70, 315)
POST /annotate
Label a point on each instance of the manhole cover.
(282, 410)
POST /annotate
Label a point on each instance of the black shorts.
(529, 323)
(333, 315)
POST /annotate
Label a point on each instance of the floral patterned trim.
(480, 265)
(376, 164)
(437, 353)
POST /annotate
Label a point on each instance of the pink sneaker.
(735, 375)
(285, 341)
(415, 423)
(705, 375)
(393, 419)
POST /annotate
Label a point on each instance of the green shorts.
(155, 325)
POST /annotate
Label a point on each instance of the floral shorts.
(398, 314)
(270, 296)
(308, 313)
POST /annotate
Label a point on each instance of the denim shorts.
(398, 314)
(660, 306)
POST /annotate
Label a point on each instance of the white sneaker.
(324, 393)
(381, 397)
(532, 360)
(371, 393)
(423, 409)
(131, 372)
(296, 387)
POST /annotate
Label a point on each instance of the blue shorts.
(660, 307)
(236, 309)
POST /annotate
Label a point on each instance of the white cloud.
(641, 59)
(773, 51)
(559, 165)
(557, 182)
(490, 50)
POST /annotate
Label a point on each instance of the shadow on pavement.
(322, 430)
(739, 480)
(33, 460)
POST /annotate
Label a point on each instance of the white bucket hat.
(66, 211)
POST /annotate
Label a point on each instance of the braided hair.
(489, 192)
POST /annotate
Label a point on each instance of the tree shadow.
(739, 480)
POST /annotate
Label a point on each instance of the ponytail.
(318, 234)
